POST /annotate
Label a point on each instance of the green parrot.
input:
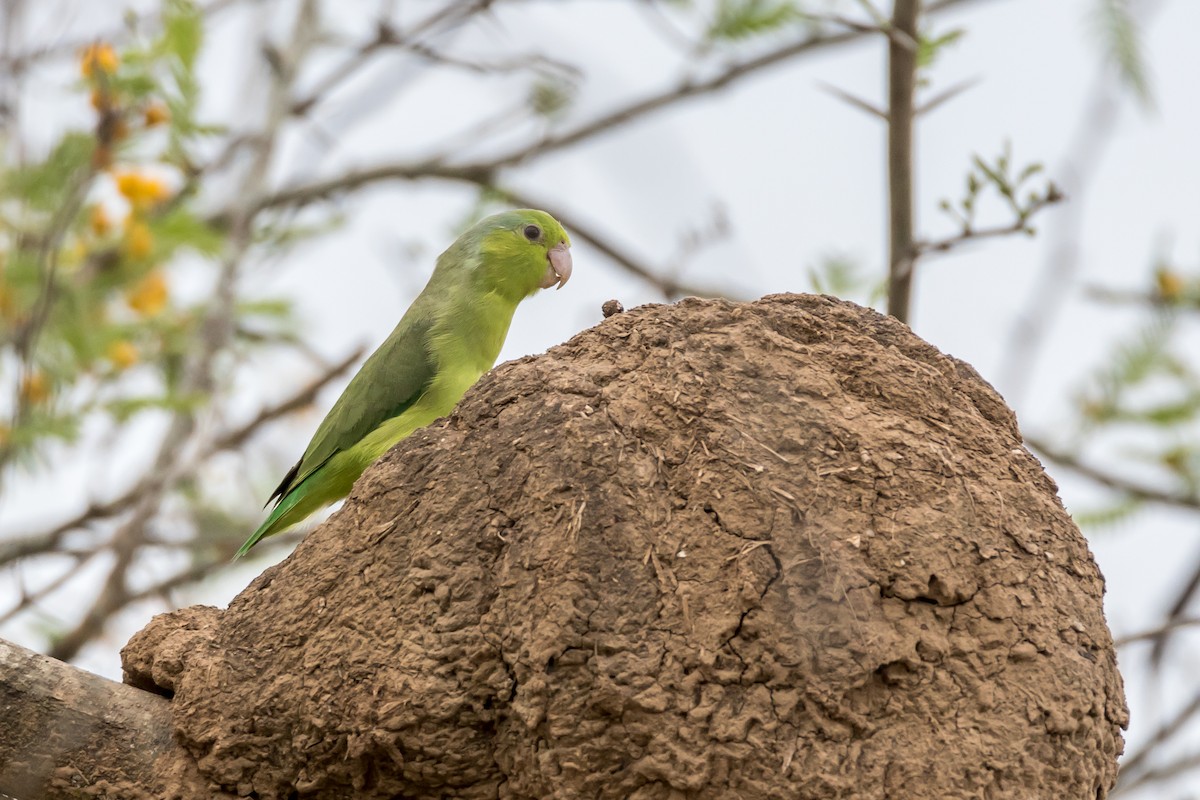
(449, 337)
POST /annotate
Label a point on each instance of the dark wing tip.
(284, 485)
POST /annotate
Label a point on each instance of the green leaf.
(550, 97)
(44, 186)
(183, 31)
(741, 19)
(1108, 516)
(1122, 42)
(1172, 414)
(272, 309)
(124, 408)
(929, 48)
(842, 276)
(180, 228)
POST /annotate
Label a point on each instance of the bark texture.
(705, 550)
(68, 733)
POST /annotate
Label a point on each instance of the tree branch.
(1156, 633)
(1186, 500)
(583, 231)
(1131, 764)
(902, 79)
(48, 541)
(482, 172)
(64, 728)
(1019, 225)
(1167, 771)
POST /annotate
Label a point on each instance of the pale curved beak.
(558, 271)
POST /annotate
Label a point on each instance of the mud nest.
(703, 550)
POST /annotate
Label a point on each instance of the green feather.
(450, 336)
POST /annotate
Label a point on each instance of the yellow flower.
(99, 220)
(99, 57)
(155, 114)
(142, 191)
(149, 296)
(101, 100)
(138, 239)
(1169, 283)
(35, 388)
(122, 354)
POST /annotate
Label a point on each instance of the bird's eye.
(532, 232)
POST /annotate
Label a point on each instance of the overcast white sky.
(800, 176)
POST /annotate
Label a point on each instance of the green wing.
(390, 381)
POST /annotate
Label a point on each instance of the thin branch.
(1131, 764)
(1157, 633)
(685, 90)
(483, 172)
(1019, 225)
(1167, 771)
(30, 599)
(384, 36)
(49, 541)
(356, 179)
(216, 331)
(947, 95)
(1133, 297)
(1061, 263)
(902, 79)
(1174, 617)
(69, 48)
(232, 440)
(1150, 494)
(853, 100)
(581, 230)
(202, 568)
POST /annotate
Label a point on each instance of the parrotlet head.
(520, 252)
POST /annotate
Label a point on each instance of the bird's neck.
(474, 331)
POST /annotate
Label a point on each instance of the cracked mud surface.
(704, 550)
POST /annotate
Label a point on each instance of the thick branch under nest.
(704, 550)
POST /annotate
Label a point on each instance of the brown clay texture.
(702, 550)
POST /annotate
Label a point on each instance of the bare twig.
(1060, 265)
(362, 55)
(1145, 492)
(853, 100)
(1167, 771)
(579, 229)
(1147, 299)
(1134, 761)
(202, 568)
(685, 90)
(483, 172)
(234, 439)
(50, 540)
(356, 179)
(1156, 633)
(902, 77)
(1019, 225)
(68, 48)
(1174, 617)
(945, 96)
(215, 333)
(30, 599)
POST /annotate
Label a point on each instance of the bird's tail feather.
(272, 524)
